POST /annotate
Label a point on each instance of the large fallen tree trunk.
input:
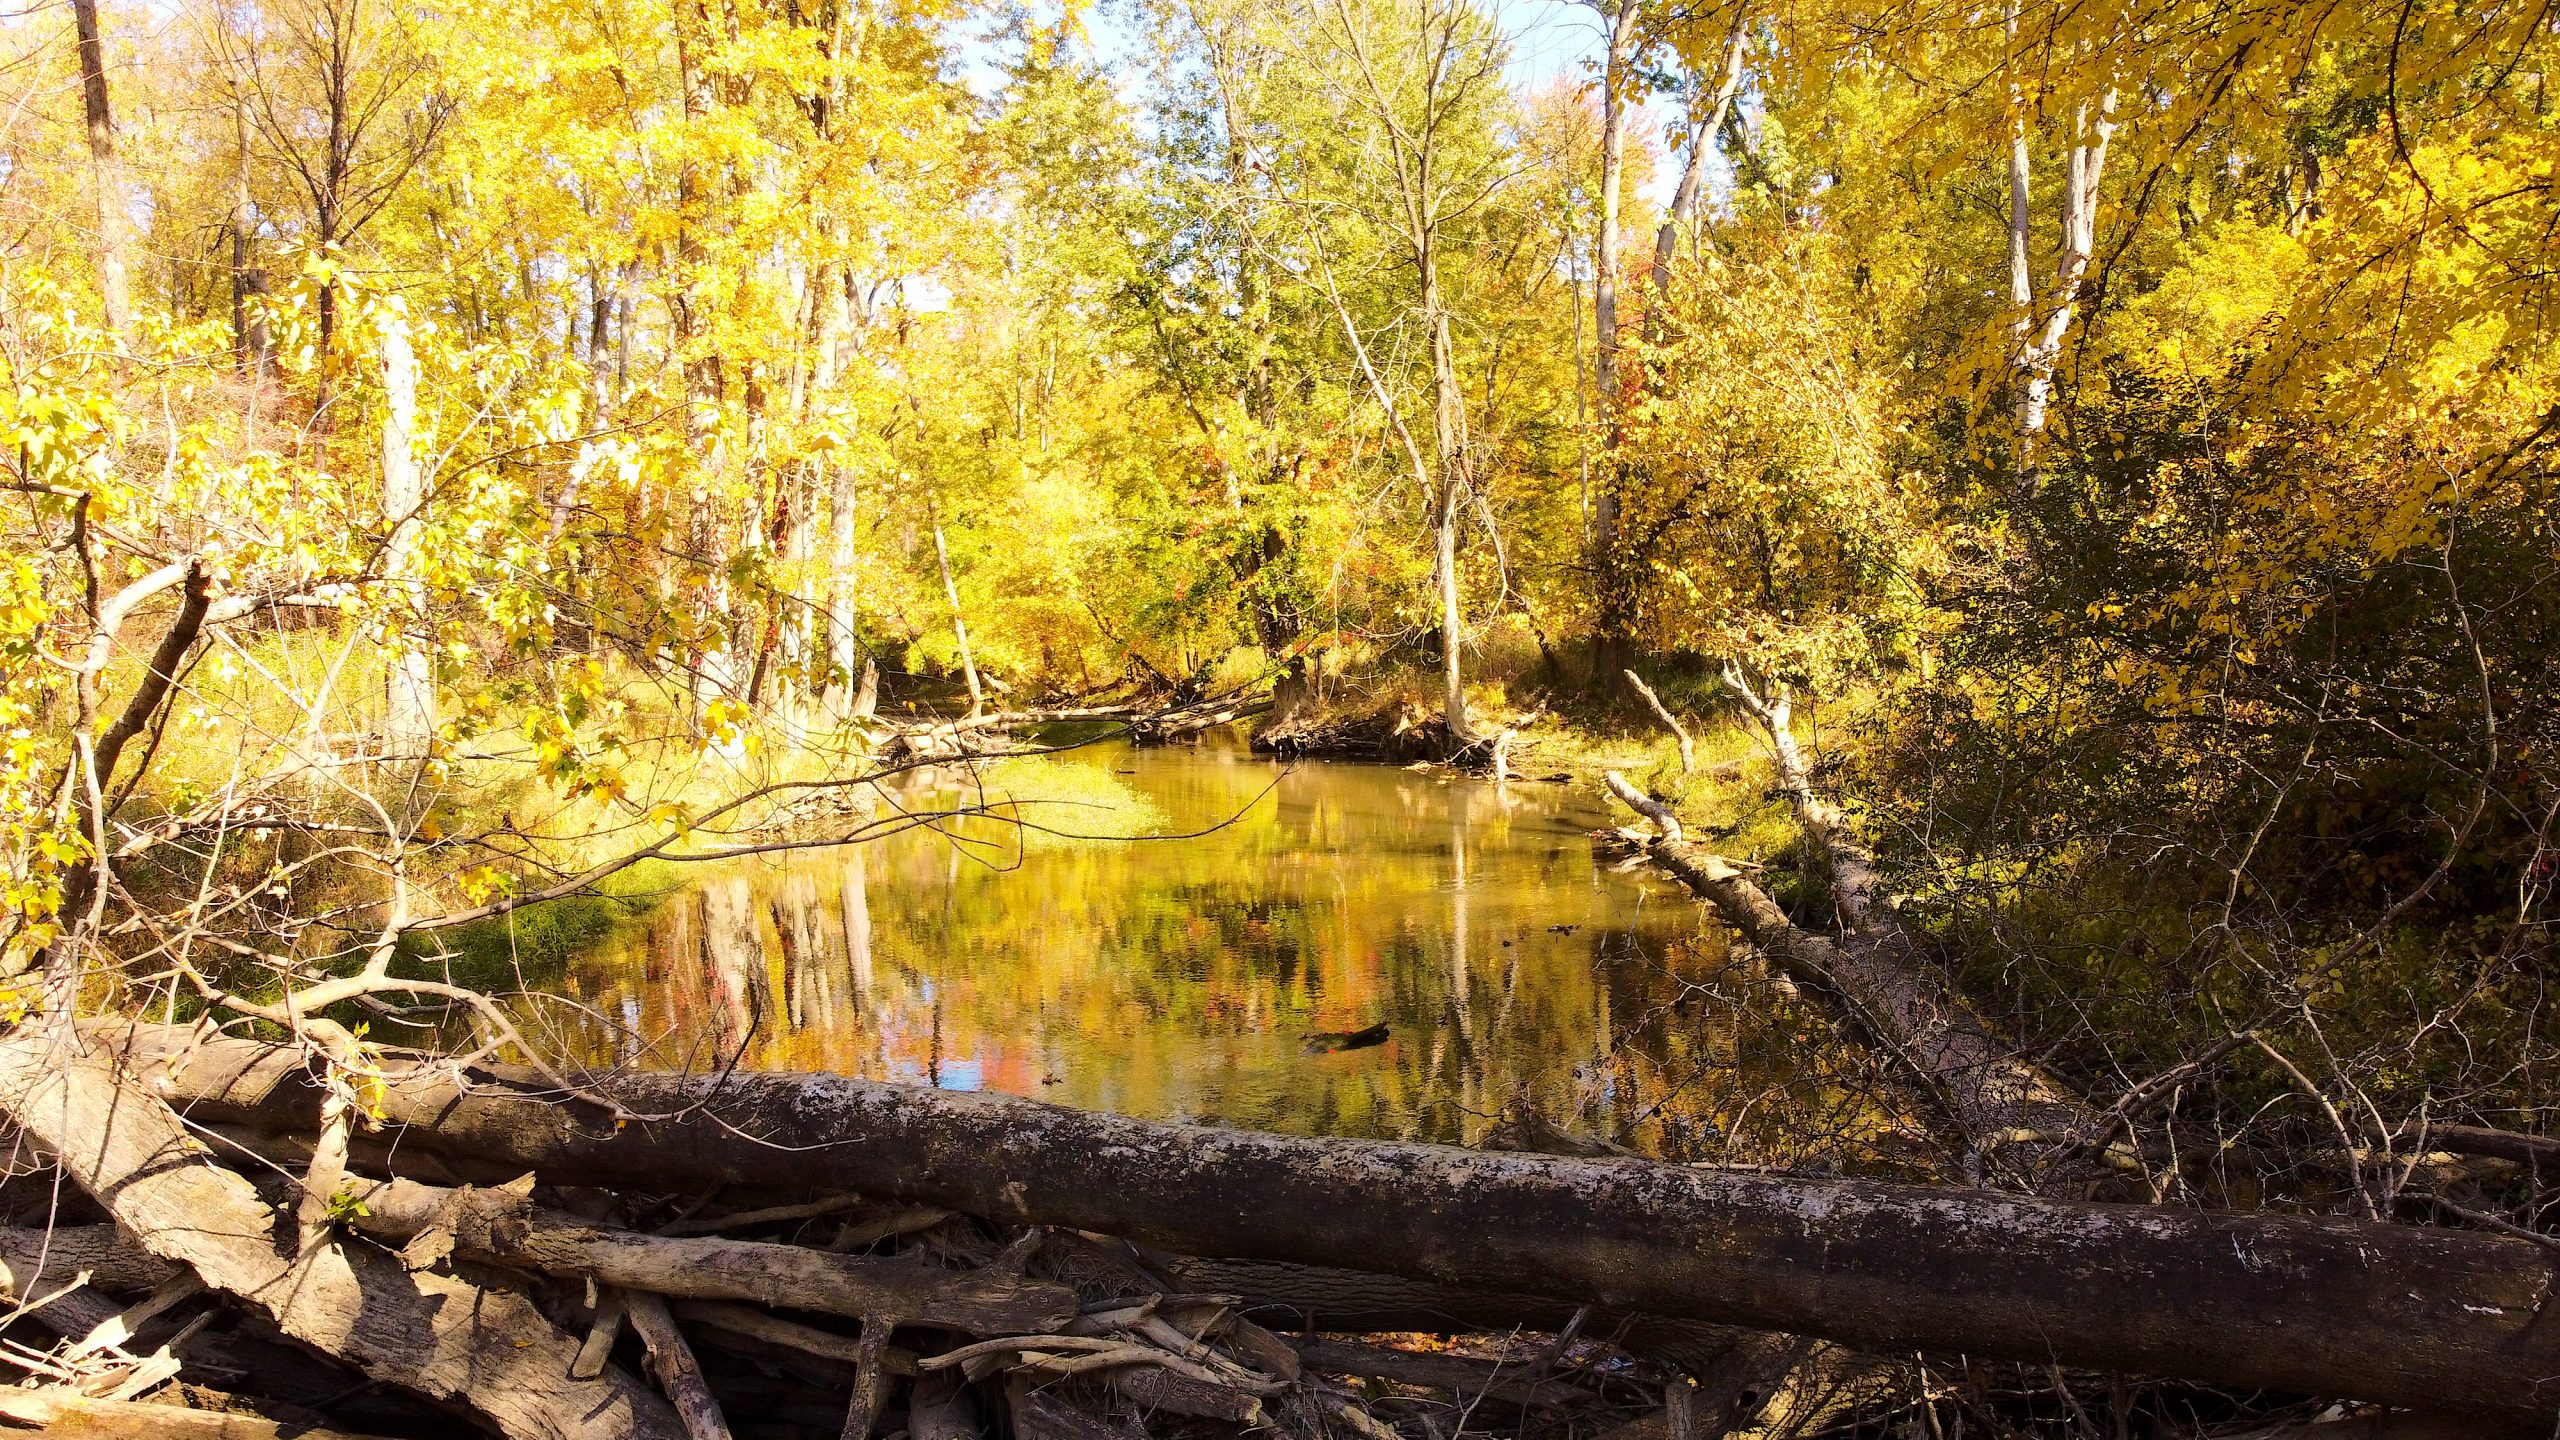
(487, 1352)
(2431, 1319)
(2000, 1102)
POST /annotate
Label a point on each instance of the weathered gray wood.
(488, 1352)
(2408, 1316)
(986, 1302)
(679, 1374)
(61, 1410)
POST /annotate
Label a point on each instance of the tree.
(107, 171)
(1417, 82)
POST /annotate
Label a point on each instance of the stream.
(1224, 977)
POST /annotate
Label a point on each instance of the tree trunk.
(106, 172)
(2037, 340)
(959, 623)
(1444, 568)
(1614, 625)
(1704, 129)
(2043, 348)
(1614, 106)
(1457, 486)
(409, 726)
(2433, 1319)
(851, 673)
(248, 279)
(487, 1352)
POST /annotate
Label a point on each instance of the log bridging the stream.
(1998, 1100)
(2424, 1318)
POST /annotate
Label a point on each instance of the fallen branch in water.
(1998, 1101)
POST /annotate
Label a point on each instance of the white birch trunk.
(959, 624)
(409, 724)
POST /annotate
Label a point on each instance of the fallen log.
(1317, 1297)
(487, 1352)
(62, 1412)
(952, 739)
(1464, 1375)
(1182, 724)
(1997, 1100)
(2532, 1151)
(1017, 719)
(2015, 1115)
(2431, 1319)
(706, 1268)
(35, 1261)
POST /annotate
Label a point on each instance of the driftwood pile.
(992, 732)
(834, 1316)
(798, 1255)
(758, 1309)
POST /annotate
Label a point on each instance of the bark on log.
(1317, 1297)
(679, 1374)
(1466, 1375)
(984, 1302)
(488, 1352)
(33, 1262)
(1997, 1100)
(61, 1412)
(2427, 1318)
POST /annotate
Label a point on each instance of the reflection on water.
(1180, 978)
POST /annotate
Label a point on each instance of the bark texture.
(2429, 1318)
(486, 1352)
(62, 1413)
(705, 1268)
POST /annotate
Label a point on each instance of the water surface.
(1182, 978)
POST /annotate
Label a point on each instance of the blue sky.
(1549, 39)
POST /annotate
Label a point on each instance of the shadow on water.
(1241, 977)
